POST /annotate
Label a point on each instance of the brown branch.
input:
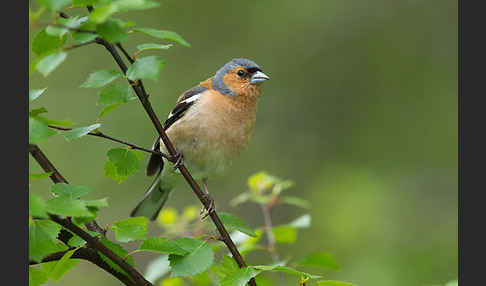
(92, 242)
(143, 97)
(92, 256)
(102, 135)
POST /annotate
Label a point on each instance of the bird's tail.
(154, 199)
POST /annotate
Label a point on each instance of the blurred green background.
(361, 113)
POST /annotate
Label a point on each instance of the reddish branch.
(92, 242)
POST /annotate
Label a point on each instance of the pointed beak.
(258, 77)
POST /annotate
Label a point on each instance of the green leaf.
(76, 241)
(295, 201)
(84, 3)
(39, 176)
(285, 234)
(101, 78)
(37, 111)
(79, 132)
(115, 94)
(52, 122)
(164, 35)
(450, 283)
(102, 13)
(50, 62)
(126, 5)
(226, 266)
(35, 93)
(36, 276)
(320, 259)
(134, 228)
(70, 191)
(108, 109)
(43, 239)
(112, 30)
(162, 245)
(240, 277)
(38, 131)
(285, 269)
(54, 5)
(57, 269)
(44, 43)
(157, 268)
(118, 250)
(37, 206)
(146, 67)
(66, 206)
(81, 38)
(97, 203)
(233, 223)
(150, 46)
(122, 163)
(199, 258)
(333, 283)
(301, 222)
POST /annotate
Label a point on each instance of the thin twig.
(78, 45)
(272, 244)
(92, 256)
(102, 135)
(92, 242)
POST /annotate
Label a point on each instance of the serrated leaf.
(44, 43)
(115, 94)
(37, 207)
(36, 276)
(70, 191)
(151, 46)
(68, 207)
(118, 250)
(231, 223)
(134, 228)
(35, 93)
(295, 201)
(164, 35)
(57, 269)
(101, 78)
(162, 245)
(157, 268)
(320, 259)
(47, 63)
(39, 176)
(79, 132)
(54, 5)
(199, 258)
(122, 163)
(146, 67)
(285, 234)
(38, 131)
(240, 277)
(333, 283)
(42, 239)
(301, 222)
(112, 30)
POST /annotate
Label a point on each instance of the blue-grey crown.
(218, 82)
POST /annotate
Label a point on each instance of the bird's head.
(239, 77)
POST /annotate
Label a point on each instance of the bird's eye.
(241, 72)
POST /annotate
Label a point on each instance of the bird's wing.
(184, 101)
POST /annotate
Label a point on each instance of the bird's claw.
(179, 160)
(210, 209)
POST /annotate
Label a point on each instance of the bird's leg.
(210, 209)
(179, 160)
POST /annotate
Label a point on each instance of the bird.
(210, 125)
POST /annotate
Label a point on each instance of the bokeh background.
(361, 113)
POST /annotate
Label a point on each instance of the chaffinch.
(210, 125)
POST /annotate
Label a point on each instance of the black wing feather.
(156, 162)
